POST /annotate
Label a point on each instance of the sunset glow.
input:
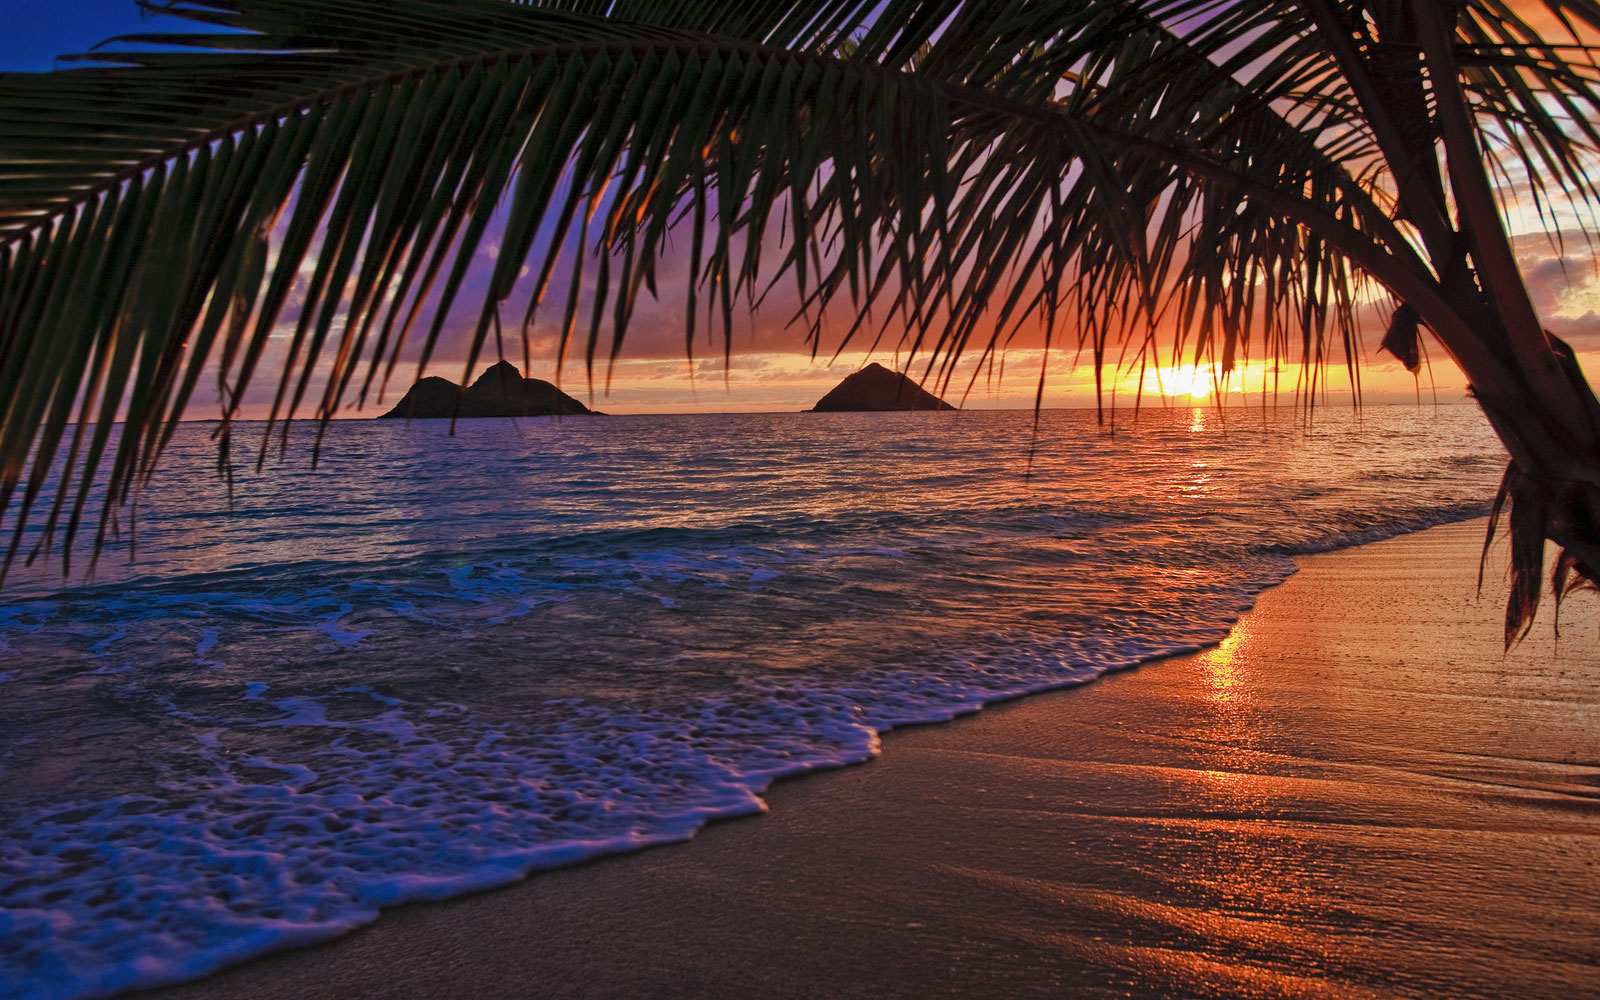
(569, 472)
(1182, 381)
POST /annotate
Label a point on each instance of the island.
(878, 388)
(500, 391)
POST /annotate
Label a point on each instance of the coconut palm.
(317, 175)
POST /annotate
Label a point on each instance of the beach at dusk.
(805, 499)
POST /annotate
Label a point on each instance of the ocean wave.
(239, 853)
(1381, 528)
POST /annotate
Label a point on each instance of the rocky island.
(878, 388)
(500, 391)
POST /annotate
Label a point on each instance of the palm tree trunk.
(1530, 386)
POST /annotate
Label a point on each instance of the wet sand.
(1356, 795)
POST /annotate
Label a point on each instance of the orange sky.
(772, 369)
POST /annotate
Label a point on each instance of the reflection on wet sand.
(1226, 666)
(1316, 832)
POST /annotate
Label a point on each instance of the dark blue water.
(435, 664)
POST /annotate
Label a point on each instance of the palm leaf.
(949, 169)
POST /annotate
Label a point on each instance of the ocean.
(435, 664)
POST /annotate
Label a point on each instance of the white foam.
(260, 854)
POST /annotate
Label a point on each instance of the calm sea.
(434, 663)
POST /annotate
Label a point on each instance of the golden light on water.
(1225, 670)
(1232, 779)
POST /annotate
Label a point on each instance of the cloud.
(1563, 277)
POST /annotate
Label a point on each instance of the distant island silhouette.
(878, 388)
(500, 391)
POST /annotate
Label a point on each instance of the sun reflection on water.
(1226, 672)
(1255, 881)
(1228, 686)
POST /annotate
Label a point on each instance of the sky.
(771, 369)
(34, 32)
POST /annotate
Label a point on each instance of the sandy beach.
(1356, 795)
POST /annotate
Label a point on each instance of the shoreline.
(729, 893)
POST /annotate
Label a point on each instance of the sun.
(1180, 381)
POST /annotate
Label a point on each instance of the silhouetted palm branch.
(948, 170)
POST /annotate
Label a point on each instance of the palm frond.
(953, 170)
